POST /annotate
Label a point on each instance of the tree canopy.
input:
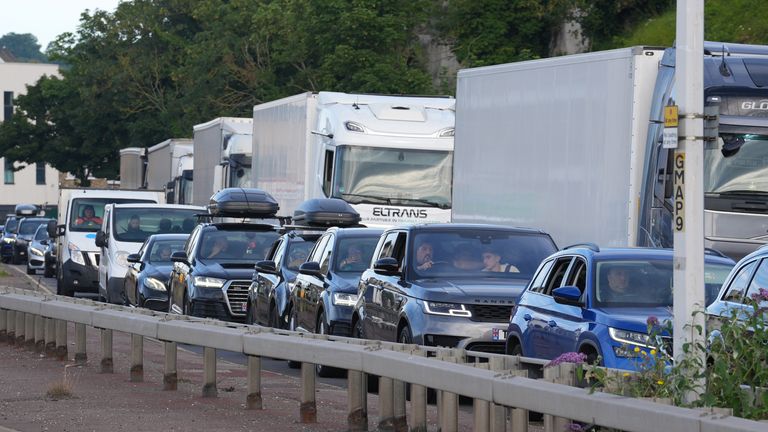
(23, 46)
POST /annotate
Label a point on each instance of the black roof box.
(326, 212)
(26, 210)
(243, 202)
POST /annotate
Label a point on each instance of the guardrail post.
(137, 358)
(107, 364)
(209, 375)
(498, 413)
(481, 409)
(449, 412)
(308, 408)
(61, 340)
(170, 377)
(398, 403)
(10, 324)
(39, 333)
(20, 328)
(386, 404)
(253, 400)
(418, 402)
(29, 331)
(3, 325)
(564, 373)
(357, 396)
(50, 337)
(81, 357)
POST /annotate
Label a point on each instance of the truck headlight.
(448, 309)
(75, 254)
(36, 251)
(154, 284)
(344, 299)
(208, 282)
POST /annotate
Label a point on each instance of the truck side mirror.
(52, 229)
(101, 239)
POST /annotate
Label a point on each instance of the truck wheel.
(61, 287)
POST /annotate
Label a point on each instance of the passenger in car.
(618, 281)
(218, 248)
(492, 262)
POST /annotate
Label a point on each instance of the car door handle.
(527, 317)
(552, 323)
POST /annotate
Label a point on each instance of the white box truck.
(390, 157)
(81, 211)
(573, 145)
(222, 149)
(132, 161)
(169, 167)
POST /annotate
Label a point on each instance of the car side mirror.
(387, 266)
(311, 268)
(568, 295)
(179, 257)
(133, 258)
(44, 242)
(266, 266)
(52, 228)
(100, 239)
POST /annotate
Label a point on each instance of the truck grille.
(92, 259)
(237, 297)
(490, 313)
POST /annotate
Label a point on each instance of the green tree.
(23, 46)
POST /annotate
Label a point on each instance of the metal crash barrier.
(499, 385)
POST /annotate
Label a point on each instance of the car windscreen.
(478, 254)
(86, 214)
(161, 250)
(28, 227)
(354, 254)
(11, 224)
(41, 233)
(136, 224)
(297, 253)
(232, 245)
(646, 282)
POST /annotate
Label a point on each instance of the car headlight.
(121, 258)
(154, 284)
(344, 299)
(8, 240)
(630, 337)
(208, 282)
(75, 254)
(36, 251)
(449, 309)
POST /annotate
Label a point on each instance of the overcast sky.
(46, 19)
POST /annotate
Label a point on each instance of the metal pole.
(689, 197)
(3, 325)
(209, 367)
(50, 337)
(386, 404)
(80, 354)
(20, 328)
(450, 412)
(137, 358)
(253, 399)
(170, 376)
(107, 364)
(39, 333)
(308, 408)
(10, 324)
(357, 398)
(398, 404)
(61, 340)
(29, 331)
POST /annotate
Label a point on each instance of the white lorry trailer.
(573, 145)
(132, 167)
(169, 167)
(390, 157)
(222, 149)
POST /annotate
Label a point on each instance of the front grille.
(92, 259)
(442, 340)
(237, 297)
(490, 313)
(487, 347)
(209, 309)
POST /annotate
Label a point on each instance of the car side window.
(276, 254)
(388, 247)
(760, 280)
(557, 275)
(578, 275)
(318, 249)
(326, 255)
(537, 285)
(739, 283)
(192, 241)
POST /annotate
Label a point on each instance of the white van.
(125, 228)
(81, 211)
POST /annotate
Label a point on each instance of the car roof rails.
(591, 246)
(714, 252)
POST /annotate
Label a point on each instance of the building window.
(7, 105)
(9, 171)
(40, 173)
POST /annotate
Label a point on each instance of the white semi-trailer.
(222, 156)
(390, 157)
(169, 167)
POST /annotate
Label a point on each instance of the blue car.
(746, 279)
(597, 302)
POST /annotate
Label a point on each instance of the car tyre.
(30, 270)
(49, 273)
(61, 288)
(16, 259)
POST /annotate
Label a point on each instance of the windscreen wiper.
(742, 192)
(427, 202)
(382, 199)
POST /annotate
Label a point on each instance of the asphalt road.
(273, 365)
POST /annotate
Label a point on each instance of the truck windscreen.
(86, 214)
(739, 165)
(136, 224)
(419, 178)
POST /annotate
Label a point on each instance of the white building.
(35, 184)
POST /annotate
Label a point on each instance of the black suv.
(273, 279)
(447, 284)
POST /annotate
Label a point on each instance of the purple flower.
(569, 357)
(761, 295)
(652, 321)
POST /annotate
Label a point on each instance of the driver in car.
(424, 256)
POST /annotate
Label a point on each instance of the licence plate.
(498, 334)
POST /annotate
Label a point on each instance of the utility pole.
(689, 187)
